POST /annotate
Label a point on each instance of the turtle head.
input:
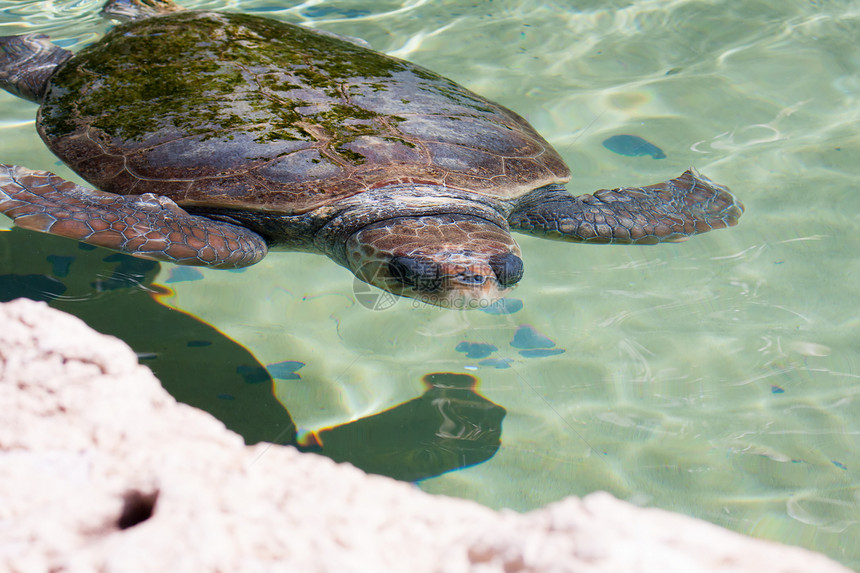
(453, 261)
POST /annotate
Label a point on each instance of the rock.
(101, 470)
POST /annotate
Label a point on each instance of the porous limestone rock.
(101, 470)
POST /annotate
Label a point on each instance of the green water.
(718, 377)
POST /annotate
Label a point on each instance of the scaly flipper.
(143, 225)
(670, 211)
(136, 9)
(27, 63)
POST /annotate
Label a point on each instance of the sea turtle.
(213, 137)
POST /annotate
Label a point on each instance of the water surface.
(718, 377)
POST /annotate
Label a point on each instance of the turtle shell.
(239, 111)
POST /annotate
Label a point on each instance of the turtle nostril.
(471, 279)
(508, 268)
(420, 274)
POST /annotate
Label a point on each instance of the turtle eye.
(508, 268)
(420, 274)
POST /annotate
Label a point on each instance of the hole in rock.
(137, 507)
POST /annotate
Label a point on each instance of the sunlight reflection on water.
(716, 377)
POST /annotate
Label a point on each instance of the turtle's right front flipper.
(137, 9)
(27, 63)
(143, 225)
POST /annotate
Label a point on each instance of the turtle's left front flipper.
(142, 225)
(670, 211)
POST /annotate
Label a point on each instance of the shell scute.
(466, 161)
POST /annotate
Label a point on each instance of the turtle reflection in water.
(451, 425)
(211, 138)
